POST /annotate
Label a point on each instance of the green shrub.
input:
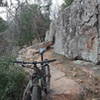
(67, 3)
(27, 33)
(12, 79)
(3, 25)
(32, 25)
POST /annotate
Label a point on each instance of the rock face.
(76, 31)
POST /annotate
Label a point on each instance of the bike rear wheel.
(36, 93)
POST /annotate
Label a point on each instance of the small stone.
(80, 81)
(96, 91)
(75, 75)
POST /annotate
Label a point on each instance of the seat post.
(42, 57)
(42, 51)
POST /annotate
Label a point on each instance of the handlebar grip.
(21, 62)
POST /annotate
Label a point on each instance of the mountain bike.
(39, 82)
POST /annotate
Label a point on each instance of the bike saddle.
(42, 50)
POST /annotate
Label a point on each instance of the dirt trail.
(69, 81)
(62, 87)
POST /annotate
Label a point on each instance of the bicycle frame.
(40, 77)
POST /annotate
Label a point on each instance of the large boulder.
(77, 31)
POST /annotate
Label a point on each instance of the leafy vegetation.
(3, 25)
(67, 3)
(26, 31)
(32, 24)
(12, 78)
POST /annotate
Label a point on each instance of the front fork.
(47, 78)
(32, 82)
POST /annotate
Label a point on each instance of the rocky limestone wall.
(76, 32)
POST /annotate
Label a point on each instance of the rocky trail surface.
(71, 80)
(63, 88)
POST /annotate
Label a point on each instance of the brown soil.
(85, 75)
(68, 78)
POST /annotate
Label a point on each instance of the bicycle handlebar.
(35, 62)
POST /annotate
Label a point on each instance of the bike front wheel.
(27, 97)
(48, 76)
(36, 93)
